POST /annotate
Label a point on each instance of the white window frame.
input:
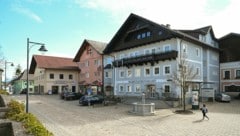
(129, 70)
(236, 73)
(137, 70)
(184, 48)
(164, 72)
(137, 86)
(197, 52)
(87, 75)
(87, 63)
(198, 71)
(136, 53)
(106, 74)
(165, 89)
(121, 86)
(154, 71)
(224, 75)
(145, 71)
(120, 71)
(145, 51)
(167, 46)
(129, 88)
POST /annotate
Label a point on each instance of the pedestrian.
(204, 110)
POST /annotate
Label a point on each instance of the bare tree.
(184, 77)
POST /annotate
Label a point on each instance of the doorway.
(151, 91)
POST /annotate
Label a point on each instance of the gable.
(138, 31)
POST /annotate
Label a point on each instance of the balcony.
(144, 59)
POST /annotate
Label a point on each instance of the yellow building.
(54, 74)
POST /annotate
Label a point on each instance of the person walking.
(204, 110)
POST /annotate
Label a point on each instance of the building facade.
(147, 55)
(230, 63)
(90, 61)
(54, 74)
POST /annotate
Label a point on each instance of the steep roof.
(203, 30)
(52, 62)
(168, 34)
(98, 46)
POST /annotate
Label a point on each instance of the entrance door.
(151, 91)
(55, 89)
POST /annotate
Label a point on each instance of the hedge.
(30, 122)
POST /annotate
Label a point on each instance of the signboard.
(207, 92)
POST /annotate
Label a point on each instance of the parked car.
(222, 97)
(91, 99)
(70, 95)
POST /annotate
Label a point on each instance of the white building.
(147, 54)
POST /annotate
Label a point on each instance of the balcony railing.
(144, 59)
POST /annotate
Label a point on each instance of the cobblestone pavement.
(68, 118)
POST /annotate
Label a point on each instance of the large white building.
(146, 55)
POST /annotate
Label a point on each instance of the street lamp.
(6, 62)
(42, 48)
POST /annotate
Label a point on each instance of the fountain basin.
(143, 109)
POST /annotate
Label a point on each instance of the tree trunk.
(184, 104)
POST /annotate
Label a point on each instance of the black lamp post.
(42, 48)
(6, 73)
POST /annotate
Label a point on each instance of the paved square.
(68, 118)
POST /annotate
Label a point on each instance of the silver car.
(222, 97)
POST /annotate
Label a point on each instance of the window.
(51, 76)
(137, 72)
(148, 34)
(153, 50)
(87, 75)
(129, 73)
(121, 88)
(96, 62)
(166, 88)
(167, 70)
(129, 88)
(89, 51)
(106, 75)
(143, 35)
(70, 76)
(156, 71)
(184, 48)
(198, 71)
(226, 74)
(237, 74)
(197, 52)
(87, 63)
(166, 48)
(137, 88)
(147, 52)
(147, 72)
(61, 76)
(136, 53)
(139, 36)
(121, 74)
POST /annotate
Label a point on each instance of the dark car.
(91, 99)
(222, 97)
(70, 95)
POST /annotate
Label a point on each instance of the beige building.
(54, 74)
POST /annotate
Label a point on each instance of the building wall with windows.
(230, 76)
(148, 55)
(55, 80)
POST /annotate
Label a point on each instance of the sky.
(62, 25)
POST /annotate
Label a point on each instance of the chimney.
(168, 26)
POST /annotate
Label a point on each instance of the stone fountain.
(143, 108)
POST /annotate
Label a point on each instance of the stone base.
(143, 109)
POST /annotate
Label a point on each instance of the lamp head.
(42, 48)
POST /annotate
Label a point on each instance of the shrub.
(4, 92)
(15, 108)
(30, 122)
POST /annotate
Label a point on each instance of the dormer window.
(89, 51)
(144, 35)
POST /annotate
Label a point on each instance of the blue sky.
(63, 24)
